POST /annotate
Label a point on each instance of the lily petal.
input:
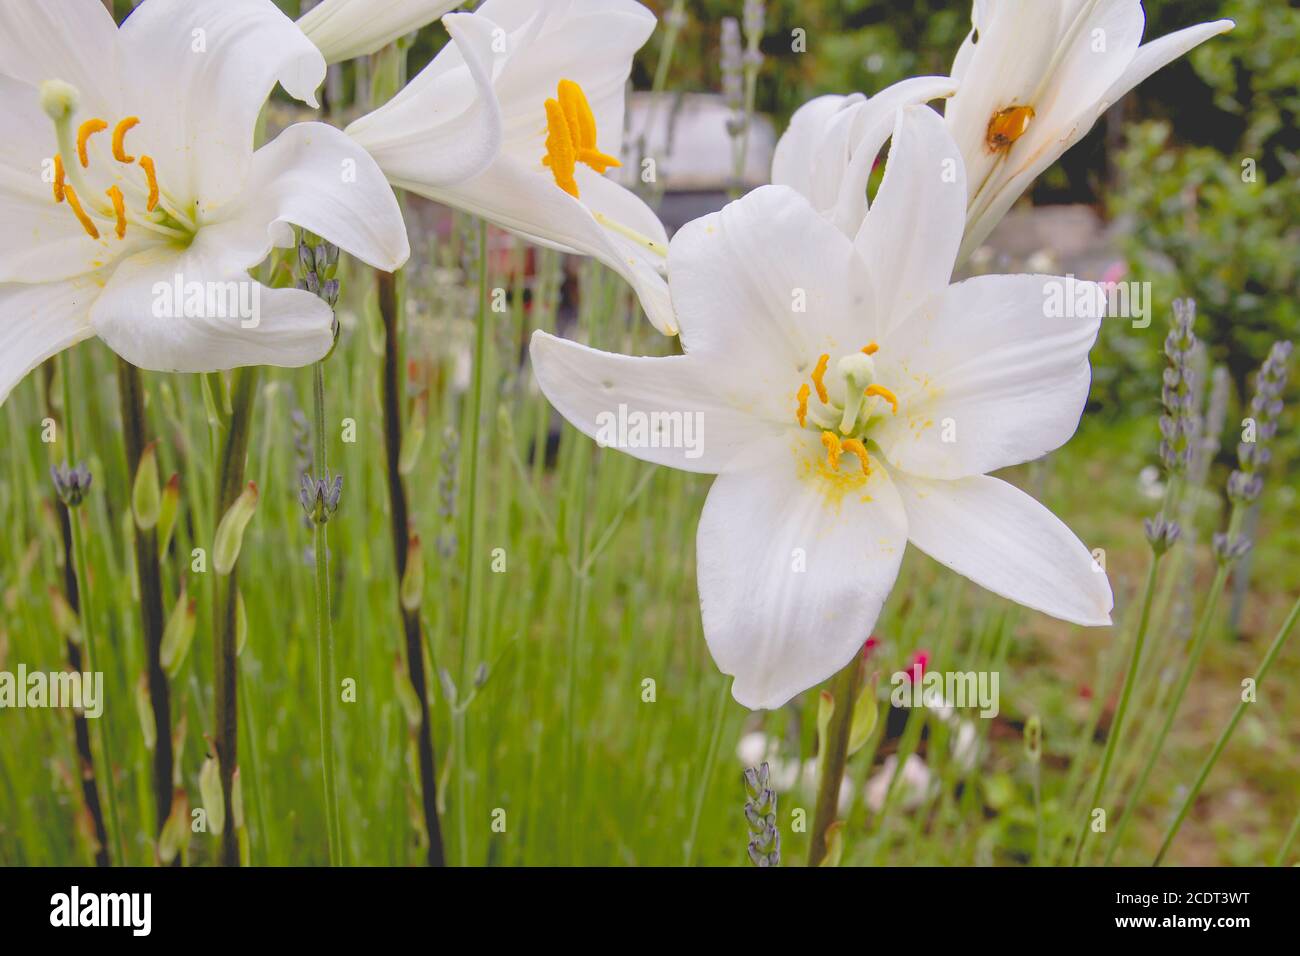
(518, 198)
(988, 377)
(70, 40)
(201, 71)
(595, 390)
(345, 29)
(1158, 54)
(40, 321)
(1005, 541)
(761, 289)
(791, 581)
(445, 125)
(909, 240)
(832, 144)
(314, 176)
(141, 318)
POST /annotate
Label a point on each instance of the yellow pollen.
(84, 132)
(855, 447)
(571, 137)
(1007, 126)
(80, 213)
(802, 413)
(119, 139)
(119, 207)
(870, 349)
(151, 174)
(882, 392)
(58, 178)
(833, 449)
(818, 375)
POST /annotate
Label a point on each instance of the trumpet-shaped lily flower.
(850, 400)
(558, 71)
(133, 201)
(1033, 78)
(830, 148)
(344, 29)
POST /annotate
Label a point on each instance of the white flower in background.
(828, 151)
(558, 73)
(915, 784)
(127, 170)
(344, 29)
(1033, 77)
(851, 400)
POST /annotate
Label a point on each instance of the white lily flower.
(1033, 78)
(344, 29)
(828, 151)
(558, 72)
(133, 201)
(850, 400)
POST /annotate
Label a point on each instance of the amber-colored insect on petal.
(833, 449)
(151, 174)
(1007, 126)
(119, 209)
(80, 213)
(59, 178)
(854, 447)
(84, 132)
(119, 139)
(817, 378)
(802, 412)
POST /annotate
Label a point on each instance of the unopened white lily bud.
(344, 29)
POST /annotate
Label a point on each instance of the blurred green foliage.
(1220, 222)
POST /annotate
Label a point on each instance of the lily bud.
(412, 592)
(175, 835)
(406, 695)
(413, 440)
(146, 497)
(230, 532)
(346, 29)
(178, 635)
(171, 502)
(834, 844)
(145, 712)
(214, 801)
(865, 714)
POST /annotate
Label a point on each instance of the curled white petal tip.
(346, 29)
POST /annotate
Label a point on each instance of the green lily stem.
(1185, 678)
(130, 387)
(1117, 725)
(230, 483)
(325, 636)
(833, 758)
(400, 522)
(87, 615)
(1274, 649)
(471, 447)
(80, 725)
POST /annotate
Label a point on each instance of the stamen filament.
(658, 248)
(119, 139)
(84, 132)
(75, 203)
